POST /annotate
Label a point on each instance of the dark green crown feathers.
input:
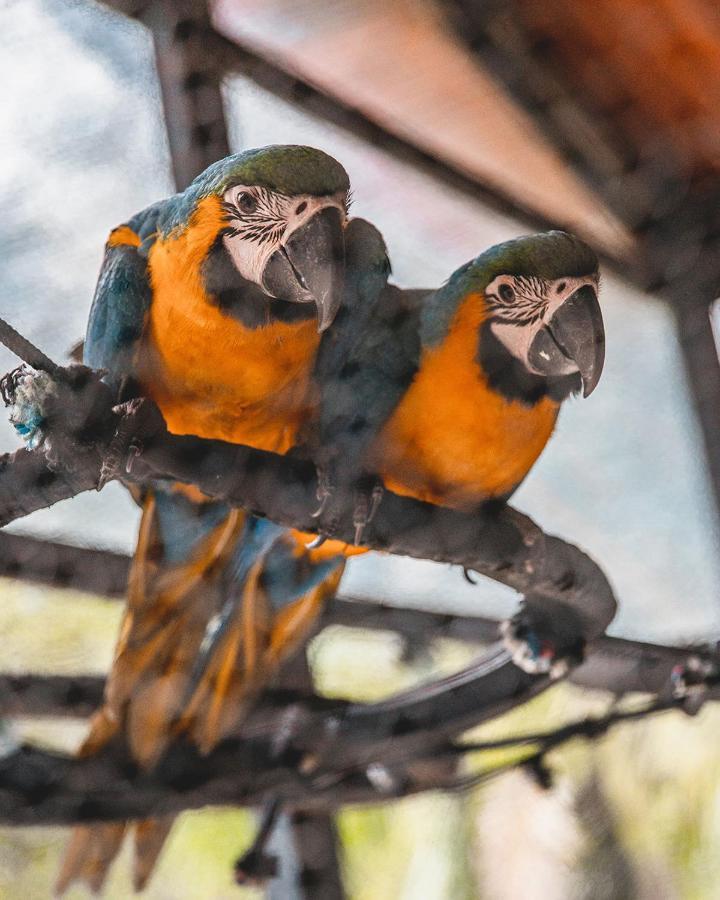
(548, 255)
(287, 168)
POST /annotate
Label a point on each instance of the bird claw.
(316, 542)
(124, 447)
(366, 507)
(321, 509)
(140, 421)
(367, 501)
(325, 490)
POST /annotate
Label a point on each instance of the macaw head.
(541, 322)
(284, 211)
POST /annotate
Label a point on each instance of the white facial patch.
(521, 306)
(262, 220)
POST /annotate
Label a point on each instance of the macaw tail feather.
(197, 645)
(89, 855)
(92, 850)
(255, 643)
(150, 837)
(163, 626)
(169, 607)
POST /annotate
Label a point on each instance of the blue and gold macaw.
(212, 303)
(450, 396)
(470, 377)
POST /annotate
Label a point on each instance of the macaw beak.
(572, 340)
(309, 265)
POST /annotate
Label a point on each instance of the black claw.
(366, 507)
(321, 509)
(467, 575)
(325, 490)
(123, 450)
(375, 500)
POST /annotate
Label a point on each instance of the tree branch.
(615, 664)
(567, 595)
(38, 787)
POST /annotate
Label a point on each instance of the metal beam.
(270, 75)
(190, 83)
(702, 368)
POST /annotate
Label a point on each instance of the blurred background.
(461, 124)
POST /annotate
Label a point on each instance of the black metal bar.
(190, 81)
(50, 695)
(702, 368)
(270, 75)
(63, 565)
(306, 843)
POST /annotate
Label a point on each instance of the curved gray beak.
(573, 340)
(309, 266)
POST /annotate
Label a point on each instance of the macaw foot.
(538, 647)
(140, 419)
(367, 503)
(29, 397)
(367, 499)
(324, 492)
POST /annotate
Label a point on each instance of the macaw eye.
(246, 202)
(561, 287)
(506, 293)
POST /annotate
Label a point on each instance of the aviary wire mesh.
(83, 146)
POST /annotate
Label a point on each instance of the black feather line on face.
(509, 377)
(267, 222)
(528, 304)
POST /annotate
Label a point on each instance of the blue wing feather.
(367, 359)
(122, 300)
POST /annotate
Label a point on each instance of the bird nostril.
(301, 208)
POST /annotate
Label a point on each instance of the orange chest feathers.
(453, 440)
(211, 375)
